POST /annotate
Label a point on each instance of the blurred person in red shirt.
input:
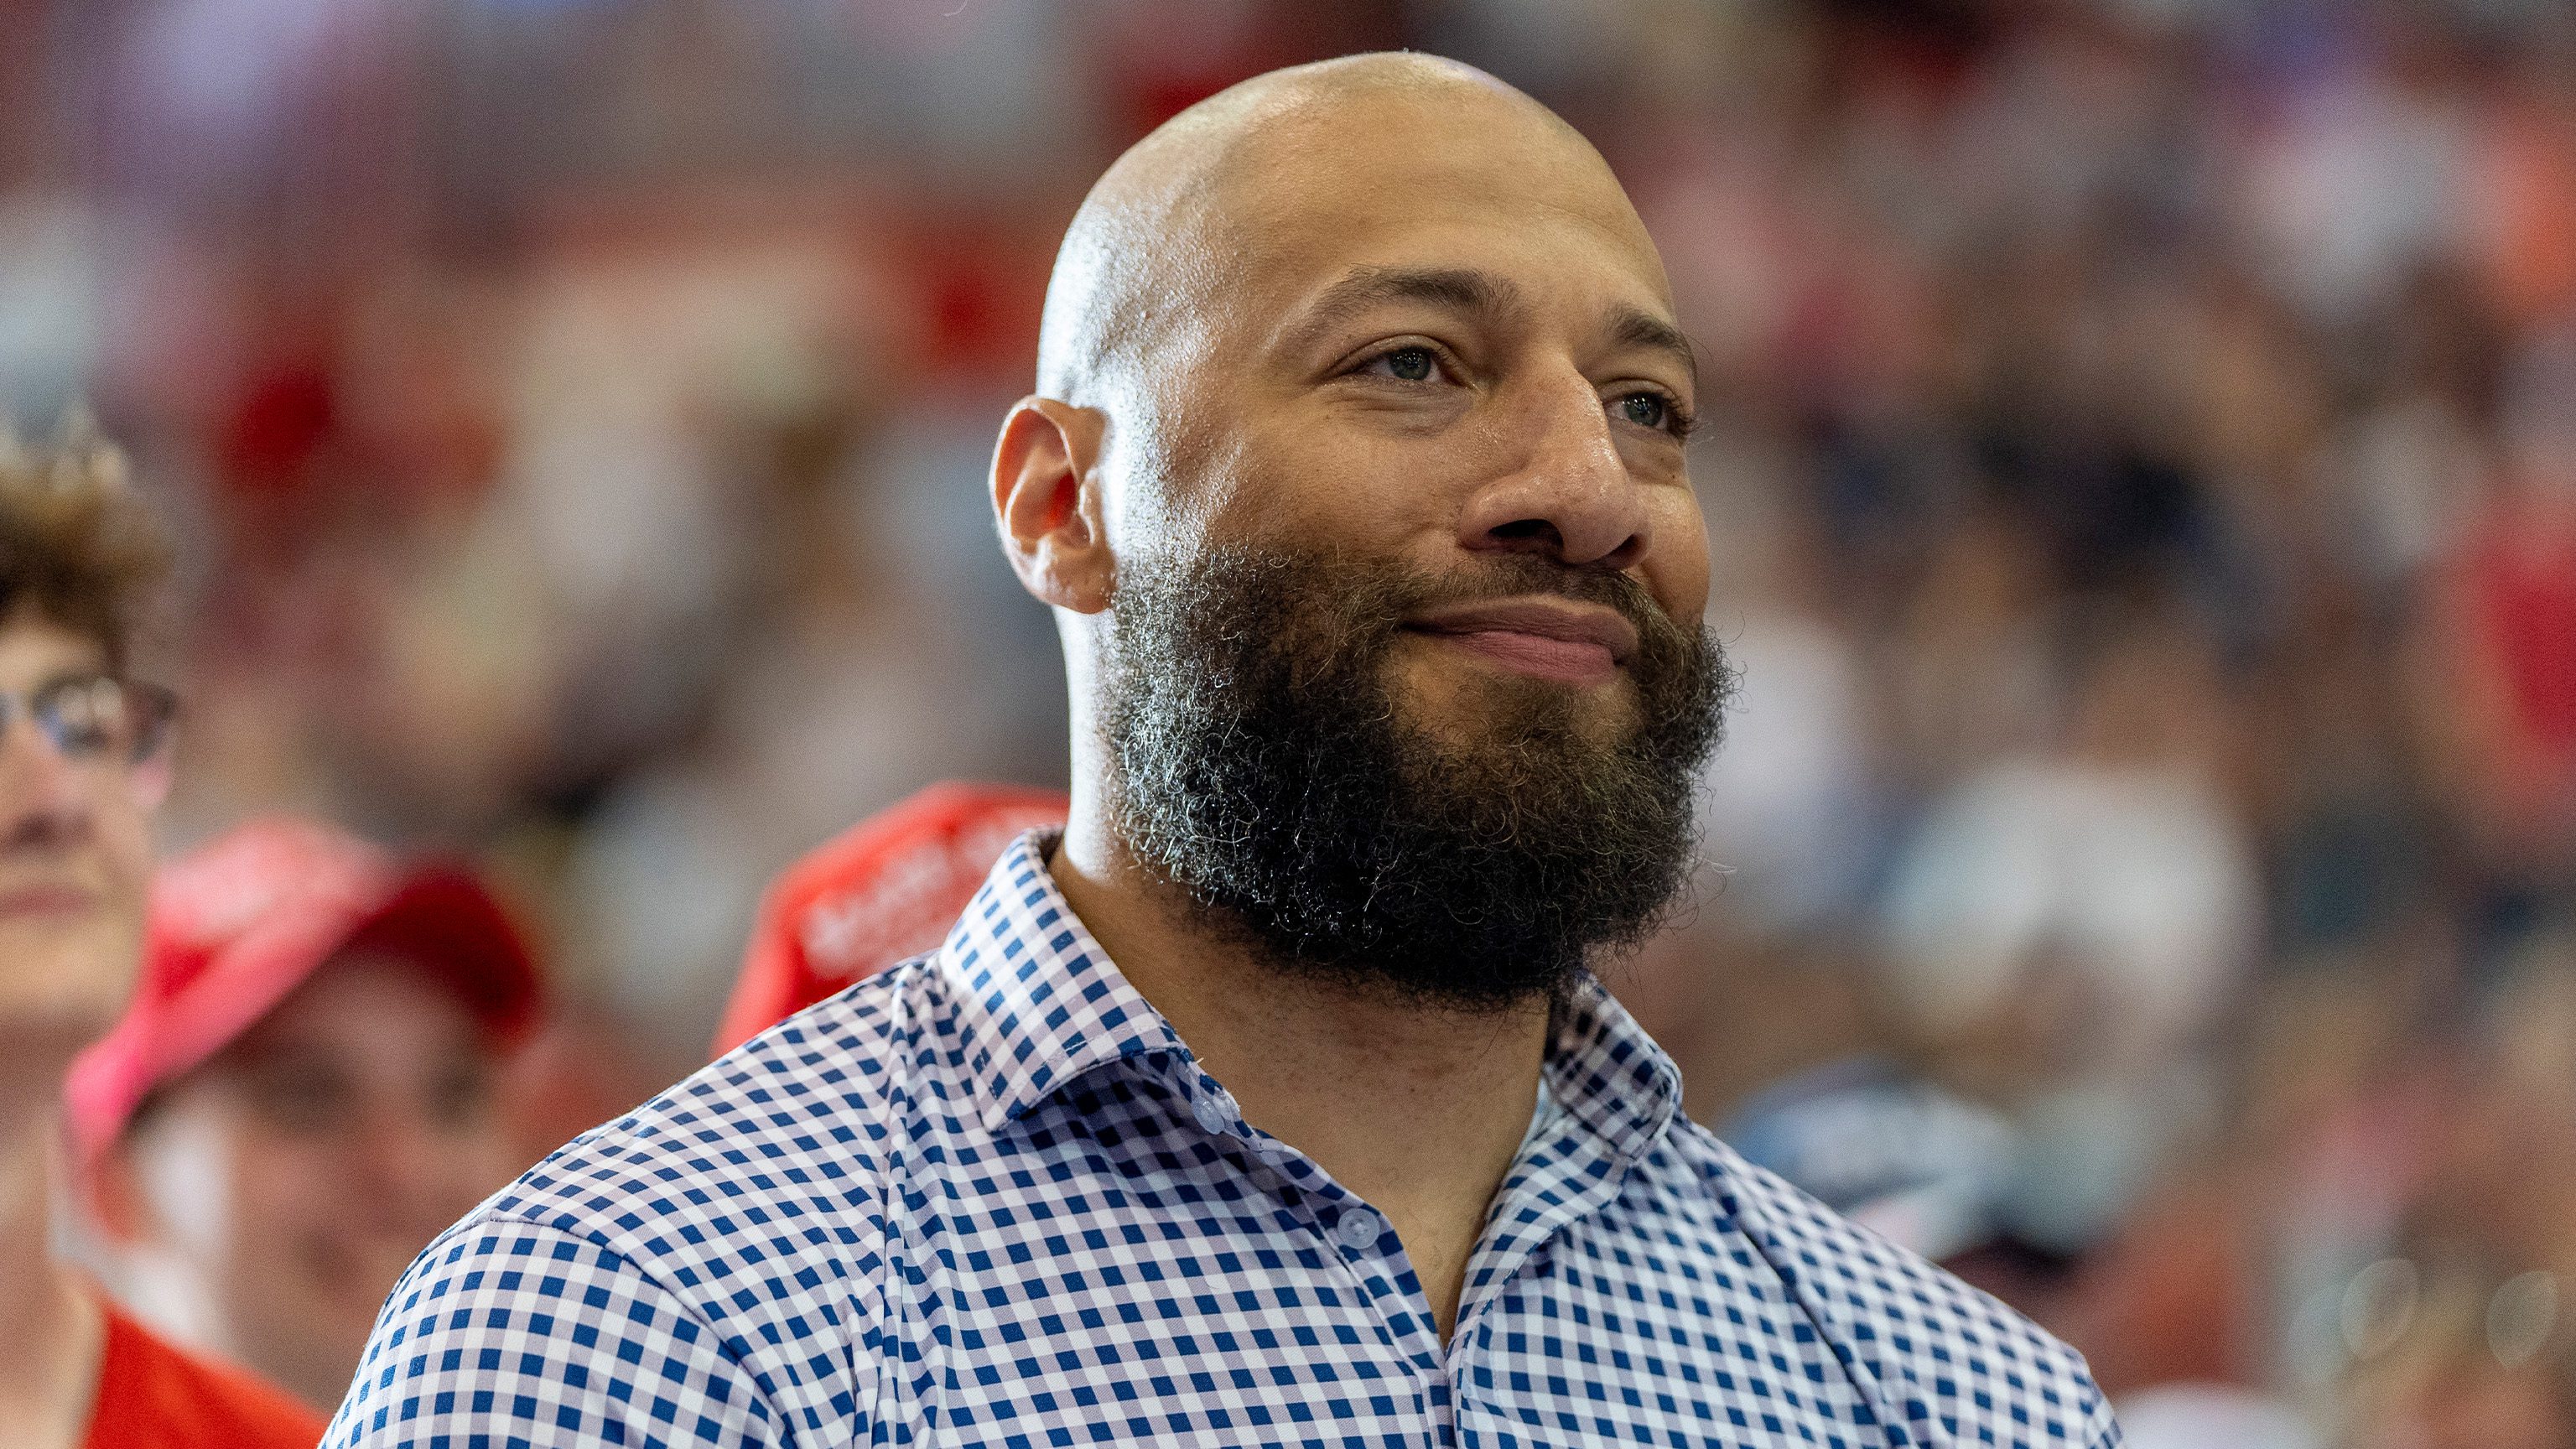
(84, 760)
(304, 1090)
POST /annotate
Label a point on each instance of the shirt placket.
(1564, 1175)
(1355, 1235)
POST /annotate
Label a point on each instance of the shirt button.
(1358, 1229)
(1210, 1109)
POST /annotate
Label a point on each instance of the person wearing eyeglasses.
(84, 761)
(303, 1091)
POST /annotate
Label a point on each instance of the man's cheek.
(290, 1186)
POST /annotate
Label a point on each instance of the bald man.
(1271, 1102)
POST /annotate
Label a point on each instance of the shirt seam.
(643, 1267)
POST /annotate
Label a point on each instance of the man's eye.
(82, 737)
(300, 1100)
(1409, 364)
(83, 717)
(1646, 410)
(460, 1097)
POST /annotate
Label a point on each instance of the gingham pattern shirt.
(988, 1198)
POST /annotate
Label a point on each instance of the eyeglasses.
(98, 719)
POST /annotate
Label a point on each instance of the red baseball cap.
(237, 924)
(887, 888)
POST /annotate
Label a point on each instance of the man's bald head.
(1167, 230)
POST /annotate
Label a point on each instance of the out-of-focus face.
(75, 857)
(293, 1177)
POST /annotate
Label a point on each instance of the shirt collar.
(1040, 1005)
(1607, 1073)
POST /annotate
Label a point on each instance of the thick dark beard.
(1259, 764)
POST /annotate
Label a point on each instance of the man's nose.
(44, 796)
(405, 1164)
(1570, 496)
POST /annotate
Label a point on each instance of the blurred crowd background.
(2141, 463)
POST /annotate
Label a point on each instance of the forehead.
(367, 1002)
(1448, 178)
(35, 650)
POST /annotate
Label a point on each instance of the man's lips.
(1558, 639)
(44, 898)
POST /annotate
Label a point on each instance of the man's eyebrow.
(1635, 327)
(1460, 289)
(1464, 289)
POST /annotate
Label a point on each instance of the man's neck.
(1417, 1109)
(51, 1332)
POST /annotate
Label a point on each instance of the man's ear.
(1046, 501)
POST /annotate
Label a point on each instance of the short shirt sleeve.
(511, 1332)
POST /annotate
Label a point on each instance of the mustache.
(1524, 576)
(1380, 598)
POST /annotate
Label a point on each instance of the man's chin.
(1492, 717)
(68, 971)
(344, 1287)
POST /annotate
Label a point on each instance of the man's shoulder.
(715, 1253)
(786, 1141)
(1931, 1346)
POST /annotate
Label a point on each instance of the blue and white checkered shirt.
(989, 1198)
